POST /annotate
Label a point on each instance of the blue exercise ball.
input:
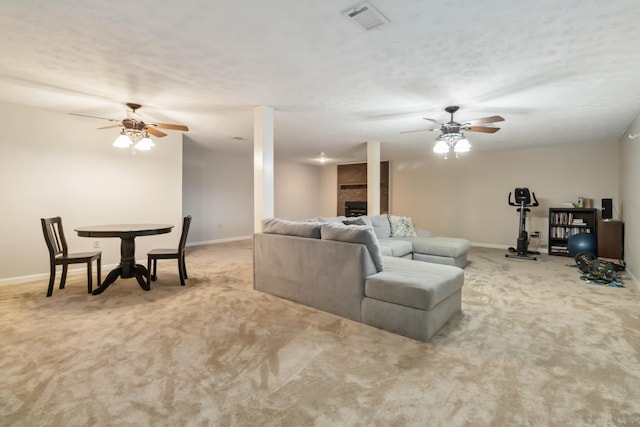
(582, 242)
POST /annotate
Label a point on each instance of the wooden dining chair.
(59, 254)
(179, 254)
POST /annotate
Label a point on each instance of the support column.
(263, 182)
(373, 178)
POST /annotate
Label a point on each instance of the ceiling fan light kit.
(462, 146)
(122, 141)
(455, 142)
(135, 139)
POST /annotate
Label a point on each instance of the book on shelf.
(567, 218)
(563, 218)
(566, 232)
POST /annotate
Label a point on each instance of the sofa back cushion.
(381, 226)
(362, 234)
(291, 228)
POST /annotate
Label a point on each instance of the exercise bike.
(522, 198)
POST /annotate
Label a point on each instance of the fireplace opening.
(355, 208)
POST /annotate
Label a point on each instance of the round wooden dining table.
(127, 234)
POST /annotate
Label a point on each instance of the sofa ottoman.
(412, 299)
(441, 250)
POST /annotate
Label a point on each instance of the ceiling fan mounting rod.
(452, 110)
(133, 106)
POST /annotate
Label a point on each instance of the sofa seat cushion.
(440, 246)
(414, 284)
(395, 247)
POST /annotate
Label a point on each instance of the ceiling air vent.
(365, 15)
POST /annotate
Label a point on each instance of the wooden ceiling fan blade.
(155, 132)
(93, 117)
(483, 129)
(485, 120)
(170, 126)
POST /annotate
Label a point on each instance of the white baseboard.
(71, 272)
(634, 279)
(211, 242)
(505, 247)
(24, 279)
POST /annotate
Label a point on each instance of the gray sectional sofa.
(342, 269)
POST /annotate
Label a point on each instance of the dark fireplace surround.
(352, 187)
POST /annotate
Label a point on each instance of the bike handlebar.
(535, 201)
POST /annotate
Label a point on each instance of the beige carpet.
(534, 345)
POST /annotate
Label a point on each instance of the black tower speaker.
(607, 208)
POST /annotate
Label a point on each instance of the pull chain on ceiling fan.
(452, 138)
(135, 132)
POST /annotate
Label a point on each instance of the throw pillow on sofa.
(291, 228)
(401, 226)
(362, 234)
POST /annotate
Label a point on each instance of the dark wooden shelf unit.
(566, 222)
(611, 239)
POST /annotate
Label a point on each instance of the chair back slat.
(54, 236)
(186, 223)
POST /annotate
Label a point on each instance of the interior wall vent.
(365, 15)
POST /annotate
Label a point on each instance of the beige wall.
(467, 197)
(54, 164)
(296, 190)
(218, 189)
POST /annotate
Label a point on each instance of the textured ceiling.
(558, 72)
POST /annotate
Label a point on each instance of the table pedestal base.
(138, 270)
